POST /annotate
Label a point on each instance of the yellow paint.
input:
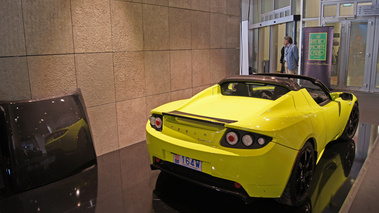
(291, 121)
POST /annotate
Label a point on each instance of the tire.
(352, 123)
(297, 189)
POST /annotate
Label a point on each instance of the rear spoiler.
(216, 121)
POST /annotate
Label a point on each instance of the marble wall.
(126, 56)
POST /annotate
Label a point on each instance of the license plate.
(188, 162)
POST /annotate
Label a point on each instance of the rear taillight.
(247, 140)
(240, 139)
(157, 160)
(156, 122)
(237, 185)
(262, 141)
(232, 138)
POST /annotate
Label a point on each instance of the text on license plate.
(188, 162)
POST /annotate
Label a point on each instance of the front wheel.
(298, 185)
(352, 123)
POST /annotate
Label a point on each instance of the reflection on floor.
(123, 182)
(74, 194)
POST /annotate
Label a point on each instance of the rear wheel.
(298, 185)
(352, 123)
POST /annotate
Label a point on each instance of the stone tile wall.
(127, 56)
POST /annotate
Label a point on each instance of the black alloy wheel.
(352, 123)
(304, 173)
(298, 185)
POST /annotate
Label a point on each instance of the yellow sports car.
(254, 136)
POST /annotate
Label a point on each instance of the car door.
(332, 118)
(326, 119)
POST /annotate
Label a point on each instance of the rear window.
(256, 90)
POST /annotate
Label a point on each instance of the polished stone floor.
(123, 182)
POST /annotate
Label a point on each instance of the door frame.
(375, 61)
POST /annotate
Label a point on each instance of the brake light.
(232, 138)
(157, 160)
(237, 185)
(156, 122)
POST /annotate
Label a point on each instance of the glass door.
(361, 42)
(337, 47)
(355, 70)
(352, 47)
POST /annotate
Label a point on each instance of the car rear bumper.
(261, 172)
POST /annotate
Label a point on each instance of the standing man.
(291, 56)
(282, 70)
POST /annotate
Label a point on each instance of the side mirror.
(346, 96)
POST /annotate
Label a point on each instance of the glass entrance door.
(351, 54)
(355, 69)
(334, 81)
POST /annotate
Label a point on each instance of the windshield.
(251, 89)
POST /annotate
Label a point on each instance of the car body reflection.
(175, 194)
(333, 171)
(43, 141)
(66, 139)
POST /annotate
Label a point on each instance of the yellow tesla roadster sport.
(253, 136)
